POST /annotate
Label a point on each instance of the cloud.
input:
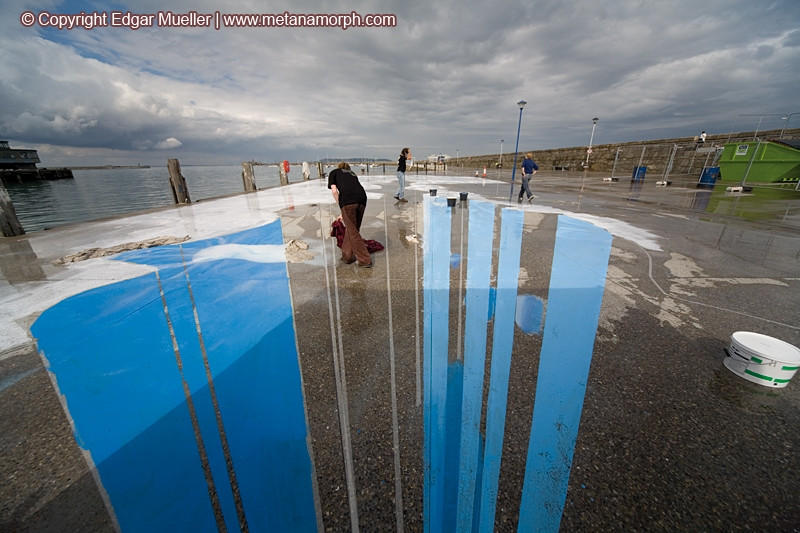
(168, 144)
(446, 78)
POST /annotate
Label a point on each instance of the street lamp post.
(760, 118)
(521, 104)
(755, 135)
(591, 138)
(786, 123)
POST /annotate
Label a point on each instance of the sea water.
(98, 193)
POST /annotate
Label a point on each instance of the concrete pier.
(669, 439)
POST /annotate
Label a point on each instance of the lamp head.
(521, 104)
(594, 120)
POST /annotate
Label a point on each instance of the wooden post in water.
(8, 216)
(178, 183)
(248, 177)
(321, 169)
(284, 178)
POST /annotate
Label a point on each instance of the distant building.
(439, 159)
(18, 165)
(16, 159)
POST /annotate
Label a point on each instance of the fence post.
(8, 216)
(248, 177)
(177, 182)
(641, 160)
(671, 162)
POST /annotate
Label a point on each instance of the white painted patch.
(681, 266)
(255, 253)
(21, 304)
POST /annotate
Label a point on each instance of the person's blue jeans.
(401, 184)
(526, 185)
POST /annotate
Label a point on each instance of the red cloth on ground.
(338, 229)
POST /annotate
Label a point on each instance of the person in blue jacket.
(529, 168)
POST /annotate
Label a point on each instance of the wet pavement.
(669, 439)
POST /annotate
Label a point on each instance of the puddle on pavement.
(779, 204)
(761, 204)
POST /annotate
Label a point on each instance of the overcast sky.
(445, 79)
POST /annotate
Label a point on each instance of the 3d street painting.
(462, 465)
(185, 390)
(186, 367)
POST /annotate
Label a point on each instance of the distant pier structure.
(19, 165)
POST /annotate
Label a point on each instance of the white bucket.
(764, 360)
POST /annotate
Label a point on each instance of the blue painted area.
(179, 303)
(111, 353)
(455, 389)
(436, 298)
(502, 344)
(479, 270)
(492, 302)
(577, 281)
(112, 356)
(530, 311)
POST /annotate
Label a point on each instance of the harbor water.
(98, 193)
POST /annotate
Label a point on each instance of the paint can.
(463, 196)
(433, 192)
(451, 202)
(761, 359)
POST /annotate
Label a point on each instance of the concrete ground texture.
(669, 439)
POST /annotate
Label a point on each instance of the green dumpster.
(761, 162)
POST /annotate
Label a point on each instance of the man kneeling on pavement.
(352, 199)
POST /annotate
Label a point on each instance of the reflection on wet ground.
(777, 205)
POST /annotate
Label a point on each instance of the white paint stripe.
(341, 381)
(398, 480)
(256, 253)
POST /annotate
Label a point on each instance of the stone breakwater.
(684, 154)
